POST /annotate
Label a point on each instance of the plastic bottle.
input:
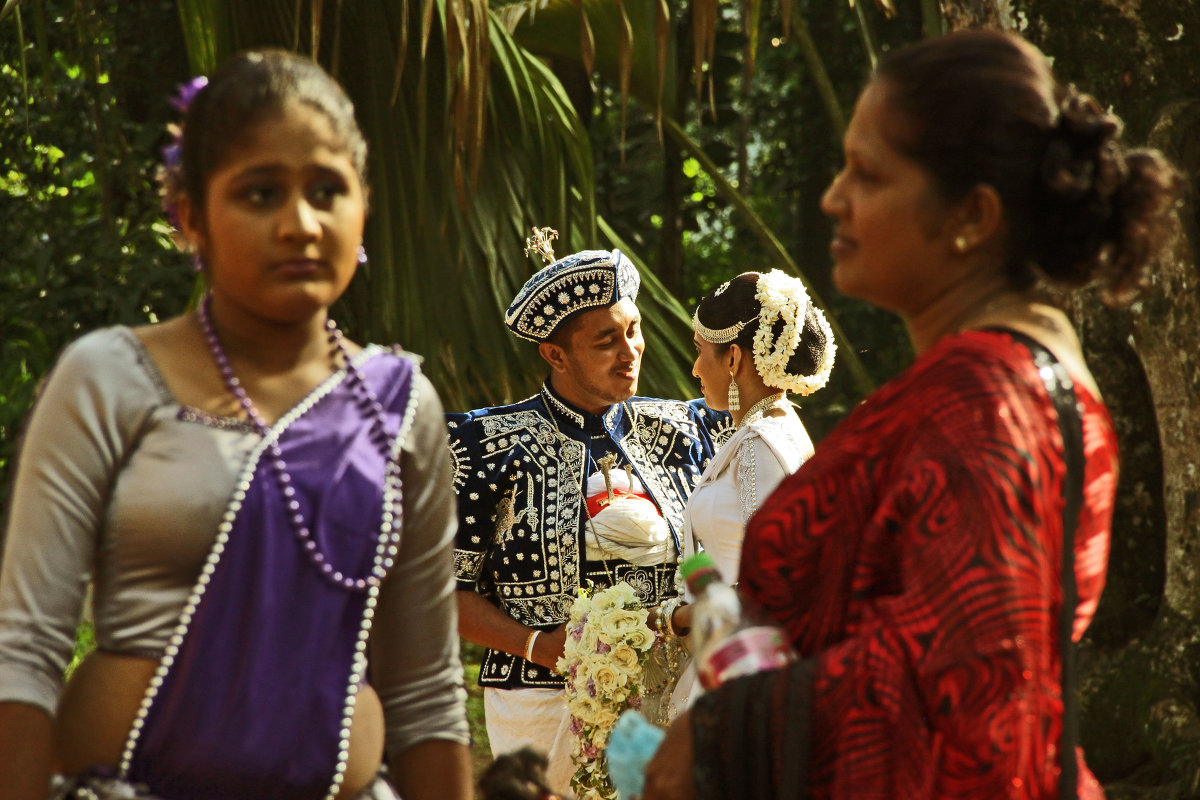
(726, 643)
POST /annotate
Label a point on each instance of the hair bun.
(1082, 156)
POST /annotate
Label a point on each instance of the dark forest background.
(697, 136)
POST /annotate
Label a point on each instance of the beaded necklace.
(759, 409)
(368, 403)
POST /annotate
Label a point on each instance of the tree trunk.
(670, 247)
(1141, 664)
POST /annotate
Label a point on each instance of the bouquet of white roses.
(607, 644)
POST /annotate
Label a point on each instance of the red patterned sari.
(915, 561)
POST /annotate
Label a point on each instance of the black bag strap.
(1062, 392)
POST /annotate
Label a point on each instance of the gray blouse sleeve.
(414, 658)
(79, 432)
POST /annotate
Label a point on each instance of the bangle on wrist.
(529, 640)
(664, 624)
(660, 617)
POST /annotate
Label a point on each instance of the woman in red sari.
(916, 561)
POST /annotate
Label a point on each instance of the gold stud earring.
(960, 244)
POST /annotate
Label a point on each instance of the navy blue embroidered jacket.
(519, 473)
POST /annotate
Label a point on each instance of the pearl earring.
(362, 255)
(961, 244)
(735, 395)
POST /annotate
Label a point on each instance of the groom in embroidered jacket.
(521, 476)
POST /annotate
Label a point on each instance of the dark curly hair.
(519, 775)
(247, 89)
(735, 302)
(984, 107)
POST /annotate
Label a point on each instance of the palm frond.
(848, 356)
(447, 228)
(555, 28)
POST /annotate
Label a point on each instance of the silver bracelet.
(667, 612)
(529, 645)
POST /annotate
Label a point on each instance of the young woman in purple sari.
(261, 506)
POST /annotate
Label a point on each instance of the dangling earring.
(197, 262)
(735, 396)
(362, 255)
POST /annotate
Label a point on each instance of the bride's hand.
(669, 774)
(681, 620)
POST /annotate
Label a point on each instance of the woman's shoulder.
(399, 367)
(113, 356)
(966, 383)
(105, 381)
(784, 436)
(392, 357)
(114, 342)
(973, 387)
(966, 362)
(999, 360)
(768, 426)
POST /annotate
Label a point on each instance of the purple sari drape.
(255, 702)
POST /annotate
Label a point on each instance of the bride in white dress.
(757, 338)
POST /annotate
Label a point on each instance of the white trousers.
(537, 718)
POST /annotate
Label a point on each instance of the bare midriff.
(102, 698)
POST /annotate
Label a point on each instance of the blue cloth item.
(581, 281)
(631, 745)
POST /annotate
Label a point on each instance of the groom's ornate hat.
(579, 282)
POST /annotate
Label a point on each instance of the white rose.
(605, 718)
(578, 609)
(640, 638)
(586, 708)
(589, 665)
(605, 601)
(624, 657)
(608, 679)
(618, 623)
(625, 593)
(591, 635)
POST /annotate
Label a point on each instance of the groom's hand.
(548, 648)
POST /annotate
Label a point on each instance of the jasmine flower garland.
(780, 296)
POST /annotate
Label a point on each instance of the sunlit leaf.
(445, 242)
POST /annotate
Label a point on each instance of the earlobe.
(190, 222)
(982, 218)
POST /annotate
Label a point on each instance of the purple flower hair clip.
(170, 172)
(186, 93)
